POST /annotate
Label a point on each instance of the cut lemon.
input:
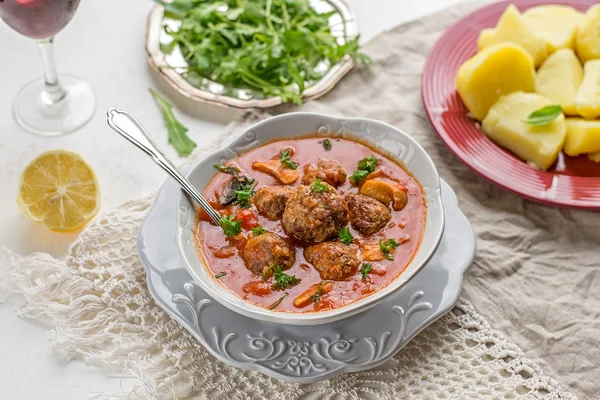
(60, 190)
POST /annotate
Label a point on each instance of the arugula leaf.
(177, 133)
(365, 269)
(387, 247)
(544, 115)
(259, 230)
(345, 235)
(230, 226)
(319, 187)
(364, 168)
(326, 144)
(286, 158)
(274, 47)
(282, 280)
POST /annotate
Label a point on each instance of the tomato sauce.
(223, 255)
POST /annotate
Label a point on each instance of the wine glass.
(49, 106)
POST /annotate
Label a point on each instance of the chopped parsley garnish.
(230, 227)
(245, 192)
(365, 269)
(365, 167)
(286, 159)
(326, 144)
(283, 280)
(259, 230)
(220, 275)
(278, 302)
(319, 187)
(227, 169)
(316, 298)
(345, 235)
(387, 247)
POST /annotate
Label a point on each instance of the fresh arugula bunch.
(272, 46)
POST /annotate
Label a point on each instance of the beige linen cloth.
(536, 279)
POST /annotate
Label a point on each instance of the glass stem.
(53, 91)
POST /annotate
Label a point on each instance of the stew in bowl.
(315, 226)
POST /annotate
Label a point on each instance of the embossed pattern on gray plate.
(304, 353)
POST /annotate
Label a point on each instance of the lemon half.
(60, 190)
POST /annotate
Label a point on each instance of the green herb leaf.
(267, 271)
(365, 269)
(283, 280)
(544, 115)
(365, 167)
(326, 144)
(316, 298)
(345, 235)
(177, 133)
(259, 230)
(245, 192)
(319, 187)
(387, 247)
(220, 275)
(285, 158)
(278, 302)
(230, 226)
(227, 169)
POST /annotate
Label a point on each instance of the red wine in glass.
(52, 105)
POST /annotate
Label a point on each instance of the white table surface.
(104, 44)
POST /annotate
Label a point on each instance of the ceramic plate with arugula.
(253, 54)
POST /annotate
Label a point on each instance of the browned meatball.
(334, 260)
(270, 200)
(366, 214)
(329, 171)
(314, 216)
(266, 249)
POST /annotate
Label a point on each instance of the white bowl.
(385, 138)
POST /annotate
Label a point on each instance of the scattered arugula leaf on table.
(177, 133)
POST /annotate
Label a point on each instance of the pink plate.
(572, 182)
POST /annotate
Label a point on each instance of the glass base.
(53, 119)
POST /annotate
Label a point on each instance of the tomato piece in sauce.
(248, 219)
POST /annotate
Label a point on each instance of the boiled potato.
(583, 136)
(491, 73)
(595, 157)
(588, 96)
(512, 28)
(556, 24)
(587, 41)
(559, 79)
(539, 145)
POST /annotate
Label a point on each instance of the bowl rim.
(321, 317)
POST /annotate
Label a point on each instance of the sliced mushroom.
(386, 192)
(275, 168)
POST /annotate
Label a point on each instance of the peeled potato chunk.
(595, 156)
(491, 73)
(587, 41)
(539, 145)
(588, 96)
(512, 28)
(556, 24)
(582, 136)
(559, 79)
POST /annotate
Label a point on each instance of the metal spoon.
(129, 127)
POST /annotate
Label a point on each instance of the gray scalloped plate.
(304, 354)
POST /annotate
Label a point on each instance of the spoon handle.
(129, 127)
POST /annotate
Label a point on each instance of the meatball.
(270, 200)
(329, 171)
(366, 214)
(266, 249)
(314, 216)
(334, 260)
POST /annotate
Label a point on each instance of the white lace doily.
(101, 311)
